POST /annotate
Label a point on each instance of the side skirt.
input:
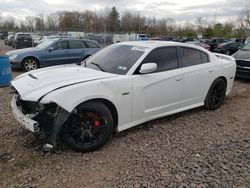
(134, 123)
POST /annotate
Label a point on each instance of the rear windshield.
(247, 47)
(23, 36)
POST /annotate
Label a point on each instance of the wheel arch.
(110, 106)
(223, 78)
(220, 77)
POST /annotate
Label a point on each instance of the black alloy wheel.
(88, 127)
(216, 94)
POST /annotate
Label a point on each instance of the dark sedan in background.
(243, 62)
(53, 52)
(228, 48)
(214, 42)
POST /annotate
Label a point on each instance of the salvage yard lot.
(197, 148)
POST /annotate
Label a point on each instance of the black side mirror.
(51, 49)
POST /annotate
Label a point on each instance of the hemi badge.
(126, 93)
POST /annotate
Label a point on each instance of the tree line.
(109, 20)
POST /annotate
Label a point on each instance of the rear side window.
(75, 44)
(91, 44)
(62, 45)
(204, 57)
(192, 57)
(165, 58)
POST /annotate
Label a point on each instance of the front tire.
(29, 64)
(216, 94)
(89, 127)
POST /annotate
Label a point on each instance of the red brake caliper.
(97, 123)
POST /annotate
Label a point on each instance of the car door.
(158, 92)
(199, 75)
(77, 51)
(58, 54)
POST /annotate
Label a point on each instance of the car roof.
(193, 42)
(230, 42)
(155, 44)
(23, 33)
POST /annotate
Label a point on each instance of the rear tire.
(216, 94)
(88, 128)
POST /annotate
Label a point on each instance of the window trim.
(178, 60)
(181, 58)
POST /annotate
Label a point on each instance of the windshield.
(45, 44)
(246, 47)
(117, 59)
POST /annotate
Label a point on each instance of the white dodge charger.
(121, 86)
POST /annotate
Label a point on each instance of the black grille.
(243, 63)
(28, 107)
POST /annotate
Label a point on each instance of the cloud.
(181, 10)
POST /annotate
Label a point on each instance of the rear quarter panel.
(226, 68)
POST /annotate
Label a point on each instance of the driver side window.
(62, 45)
(165, 58)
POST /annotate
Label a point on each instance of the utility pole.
(215, 15)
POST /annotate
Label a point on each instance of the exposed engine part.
(62, 116)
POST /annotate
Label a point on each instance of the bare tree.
(243, 22)
(52, 21)
(9, 23)
(30, 21)
(201, 24)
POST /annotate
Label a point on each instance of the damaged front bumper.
(24, 120)
(45, 120)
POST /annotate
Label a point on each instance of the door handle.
(178, 79)
(210, 71)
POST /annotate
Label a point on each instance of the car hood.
(21, 51)
(242, 54)
(35, 84)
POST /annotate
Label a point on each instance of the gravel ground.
(196, 148)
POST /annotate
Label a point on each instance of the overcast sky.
(180, 10)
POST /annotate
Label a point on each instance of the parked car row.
(216, 44)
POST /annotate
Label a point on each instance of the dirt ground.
(196, 148)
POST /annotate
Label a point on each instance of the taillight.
(220, 46)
